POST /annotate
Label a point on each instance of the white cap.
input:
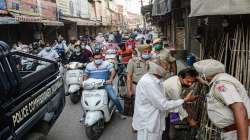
(209, 67)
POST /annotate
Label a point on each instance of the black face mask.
(72, 42)
(185, 86)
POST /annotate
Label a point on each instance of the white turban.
(209, 67)
(154, 68)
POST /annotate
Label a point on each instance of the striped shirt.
(101, 72)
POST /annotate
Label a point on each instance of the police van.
(32, 95)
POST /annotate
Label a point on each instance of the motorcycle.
(98, 108)
(111, 57)
(73, 80)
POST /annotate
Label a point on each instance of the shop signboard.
(26, 7)
(47, 9)
(78, 8)
(29, 7)
(64, 7)
(13, 6)
(3, 7)
(83, 9)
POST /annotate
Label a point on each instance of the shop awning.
(52, 23)
(8, 20)
(25, 18)
(80, 22)
(219, 7)
(161, 7)
(147, 8)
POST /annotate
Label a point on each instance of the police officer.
(136, 69)
(164, 55)
(228, 104)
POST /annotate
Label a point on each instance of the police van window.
(27, 65)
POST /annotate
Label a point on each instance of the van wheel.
(75, 97)
(36, 136)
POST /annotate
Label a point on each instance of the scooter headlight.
(98, 102)
(86, 103)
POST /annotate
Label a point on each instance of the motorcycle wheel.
(75, 97)
(95, 131)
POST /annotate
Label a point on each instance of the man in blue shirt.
(100, 69)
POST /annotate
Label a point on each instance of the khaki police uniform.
(226, 90)
(138, 68)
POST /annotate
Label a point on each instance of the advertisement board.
(63, 7)
(3, 7)
(29, 7)
(47, 9)
(13, 6)
(26, 7)
(83, 8)
(73, 8)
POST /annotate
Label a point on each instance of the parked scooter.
(74, 80)
(97, 107)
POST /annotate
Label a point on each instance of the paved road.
(68, 126)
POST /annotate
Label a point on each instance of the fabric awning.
(219, 7)
(80, 22)
(52, 23)
(8, 20)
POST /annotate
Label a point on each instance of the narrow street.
(187, 62)
(68, 126)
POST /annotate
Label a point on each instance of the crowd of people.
(153, 82)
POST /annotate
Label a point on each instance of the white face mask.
(77, 50)
(98, 61)
(47, 49)
(154, 56)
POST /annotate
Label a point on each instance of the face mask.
(154, 56)
(146, 56)
(77, 50)
(158, 47)
(98, 61)
(47, 49)
(72, 42)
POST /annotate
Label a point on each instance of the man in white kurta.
(151, 105)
